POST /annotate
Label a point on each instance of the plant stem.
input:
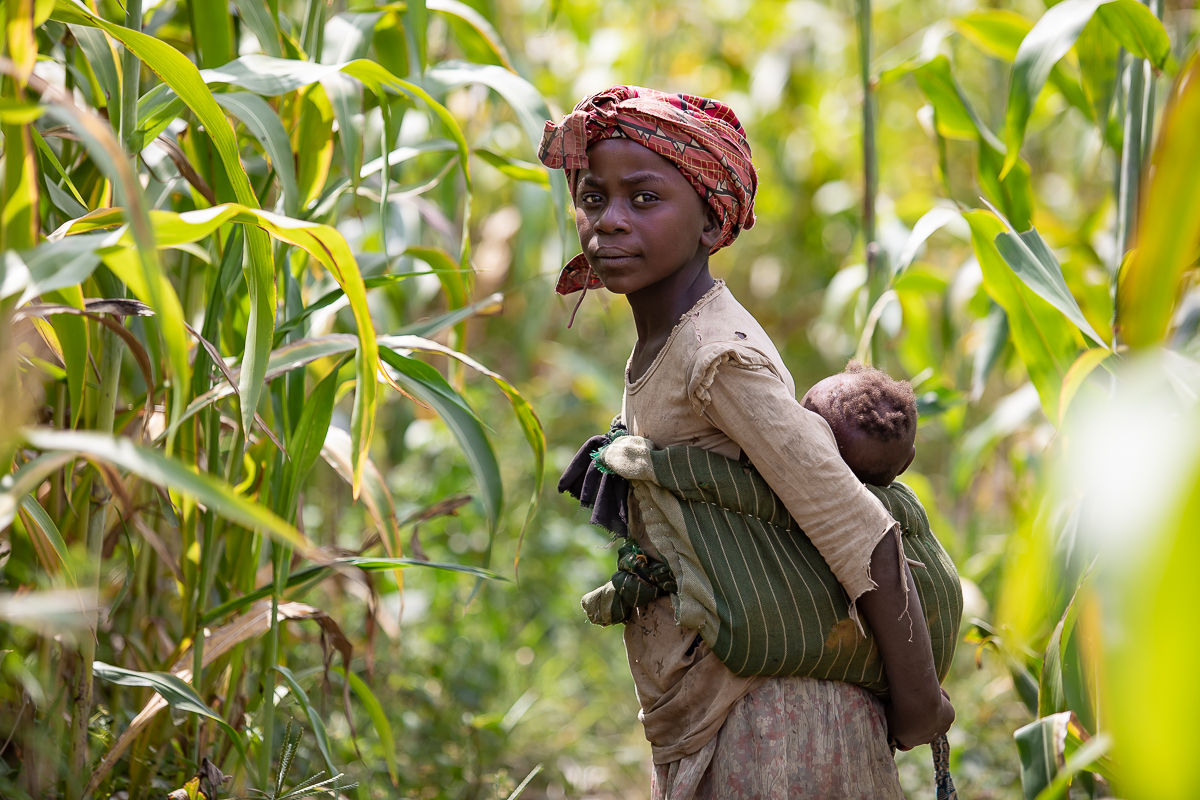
(875, 264)
(131, 68)
(1151, 90)
(1131, 159)
(280, 558)
(110, 373)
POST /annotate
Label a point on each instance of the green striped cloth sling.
(754, 587)
(744, 576)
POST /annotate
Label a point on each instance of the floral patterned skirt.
(790, 738)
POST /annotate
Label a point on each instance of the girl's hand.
(912, 725)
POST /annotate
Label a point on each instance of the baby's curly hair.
(882, 407)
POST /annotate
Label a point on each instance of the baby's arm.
(794, 450)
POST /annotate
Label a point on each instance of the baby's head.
(873, 417)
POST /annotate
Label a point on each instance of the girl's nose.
(614, 218)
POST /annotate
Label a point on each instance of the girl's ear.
(712, 228)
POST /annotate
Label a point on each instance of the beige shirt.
(719, 384)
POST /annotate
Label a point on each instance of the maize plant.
(233, 236)
(1091, 596)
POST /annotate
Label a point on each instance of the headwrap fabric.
(700, 136)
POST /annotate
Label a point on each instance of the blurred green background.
(479, 682)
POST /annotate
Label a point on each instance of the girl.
(659, 182)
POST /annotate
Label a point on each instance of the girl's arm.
(919, 710)
(795, 451)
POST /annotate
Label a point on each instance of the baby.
(874, 420)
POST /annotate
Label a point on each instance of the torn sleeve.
(795, 451)
(708, 361)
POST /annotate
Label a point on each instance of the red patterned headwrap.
(701, 137)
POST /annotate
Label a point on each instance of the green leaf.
(262, 121)
(401, 154)
(314, 144)
(416, 28)
(379, 720)
(1138, 30)
(140, 267)
(1035, 264)
(178, 694)
(996, 31)
(304, 445)
(1088, 754)
(257, 16)
(15, 487)
(313, 31)
(345, 97)
(391, 46)
(348, 36)
(50, 157)
(151, 465)
(1049, 40)
(526, 102)
(956, 119)
(18, 194)
(72, 336)
(954, 116)
(329, 298)
(156, 110)
(365, 563)
(267, 76)
(181, 75)
(101, 59)
(384, 564)
(212, 27)
(1044, 339)
(517, 170)
(1169, 223)
(930, 222)
(530, 424)
(1099, 54)
(293, 355)
(1014, 192)
(1009, 414)
(434, 326)
(427, 384)
(448, 273)
(1040, 748)
(65, 204)
(477, 21)
(1078, 373)
(50, 531)
(328, 247)
(275, 76)
(377, 79)
(991, 345)
(19, 112)
(314, 717)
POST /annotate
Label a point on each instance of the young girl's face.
(639, 219)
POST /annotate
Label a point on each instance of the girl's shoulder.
(722, 332)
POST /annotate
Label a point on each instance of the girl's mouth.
(613, 257)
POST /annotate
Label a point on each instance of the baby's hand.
(914, 724)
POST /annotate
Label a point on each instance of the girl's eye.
(644, 197)
(591, 198)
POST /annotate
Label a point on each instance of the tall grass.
(188, 331)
